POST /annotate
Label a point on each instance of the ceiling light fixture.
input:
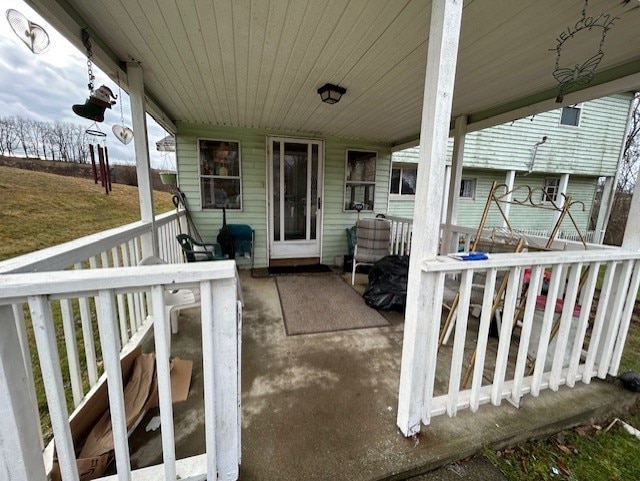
(331, 94)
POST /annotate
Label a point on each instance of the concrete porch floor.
(323, 406)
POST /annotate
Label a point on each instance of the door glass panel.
(276, 190)
(295, 191)
(314, 192)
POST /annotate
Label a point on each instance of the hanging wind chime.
(123, 133)
(93, 109)
(580, 73)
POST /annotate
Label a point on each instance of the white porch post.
(631, 239)
(562, 191)
(604, 212)
(450, 241)
(509, 180)
(21, 452)
(444, 35)
(143, 167)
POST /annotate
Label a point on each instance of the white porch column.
(449, 240)
(509, 180)
(562, 191)
(445, 194)
(20, 448)
(143, 167)
(442, 54)
(604, 212)
(631, 239)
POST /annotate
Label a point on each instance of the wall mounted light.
(331, 94)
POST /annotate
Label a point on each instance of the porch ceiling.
(259, 63)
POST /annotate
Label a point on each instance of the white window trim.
(346, 182)
(577, 106)
(475, 189)
(401, 166)
(201, 176)
(545, 199)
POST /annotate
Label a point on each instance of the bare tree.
(21, 126)
(8, 137)
(631, 151)
(627, 178)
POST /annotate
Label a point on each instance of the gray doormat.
(323, 303)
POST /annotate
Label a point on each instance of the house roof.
(259, 64)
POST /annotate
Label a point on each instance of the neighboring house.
(581, 145)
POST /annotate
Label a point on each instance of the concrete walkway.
(323, 406)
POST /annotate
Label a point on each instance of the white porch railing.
(401, 229)
(565, 337)
(119, 247)
(22, 458)
(463, 237)
(129, 305)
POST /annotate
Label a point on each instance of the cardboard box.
(91, 422)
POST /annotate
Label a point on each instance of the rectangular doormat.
(323, 303)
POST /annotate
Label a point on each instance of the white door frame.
(295, 248)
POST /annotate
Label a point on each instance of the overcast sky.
(45, 86)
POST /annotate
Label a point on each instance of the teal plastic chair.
(196, 251)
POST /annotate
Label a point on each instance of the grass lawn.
(585, 453)
(41, 210)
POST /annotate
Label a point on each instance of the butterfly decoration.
(578, 75)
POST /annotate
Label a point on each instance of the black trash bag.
(387, 288)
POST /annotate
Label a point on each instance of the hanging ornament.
(99, 100)
(123, 133)
(580, 73)
(99, 157)
(32, 35)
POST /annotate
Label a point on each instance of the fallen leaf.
(563, 468)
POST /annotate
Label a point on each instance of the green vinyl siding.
(592, 148)
(401, 207)
(585, 152)
(253, 143)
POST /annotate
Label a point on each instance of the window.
(570, 116)
(551, 189)
(220, 178)
(403, 179)
(360, 183)
(468, 189)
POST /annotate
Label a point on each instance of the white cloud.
(45, 86)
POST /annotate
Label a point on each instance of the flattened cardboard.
(96, 409)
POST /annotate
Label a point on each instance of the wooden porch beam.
(442, 54)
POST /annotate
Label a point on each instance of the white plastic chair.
(174, 301)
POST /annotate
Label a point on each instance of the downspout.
(534, 152)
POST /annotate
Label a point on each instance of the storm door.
(295, 197)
